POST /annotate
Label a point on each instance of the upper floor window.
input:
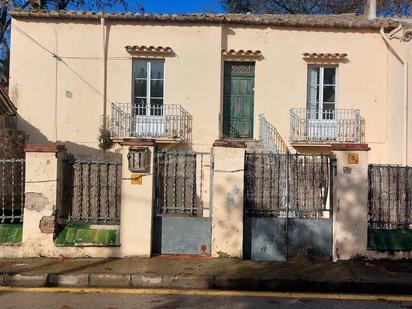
(148, 86)
(321, 94)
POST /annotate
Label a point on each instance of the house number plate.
(353, 158)
(137, 179)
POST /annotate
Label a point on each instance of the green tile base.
(11, 234)
(84, 235)
(390, 240)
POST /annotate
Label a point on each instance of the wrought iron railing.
(287, 185)
(12, 190)
(91, 190)
(270, 137)
(170, 121)
(389, 199)
(326, 126)
(181, 183)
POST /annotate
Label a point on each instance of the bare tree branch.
(384, 7)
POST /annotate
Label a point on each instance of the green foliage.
(105, 137)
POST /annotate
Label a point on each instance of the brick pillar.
(350, 201)
(43, 189)
(137, 203)
(227, 190)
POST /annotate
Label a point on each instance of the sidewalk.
(205, 273)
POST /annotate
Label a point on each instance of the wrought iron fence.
(157, 121)
(12, 190)
(286, 185)
(389, 199)
(91, 190)
(323, 126)
(270, 137)
(181, 183)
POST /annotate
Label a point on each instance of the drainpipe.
(103, 24)
(404, 62)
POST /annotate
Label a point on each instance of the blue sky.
(177, 6)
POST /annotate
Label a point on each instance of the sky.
(175, 6)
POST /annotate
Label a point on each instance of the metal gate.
(389, 208)
(182, 223)
(287, 209)
(91, 191)
(12, 190)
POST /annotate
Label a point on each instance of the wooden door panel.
(238, 100)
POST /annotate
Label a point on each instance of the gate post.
(227, 192)
(350, 201)
(137, 201)
(43, 191)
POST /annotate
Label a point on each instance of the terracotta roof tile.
(284, 20)
(133, 49)
(241, 52)
(325, 55)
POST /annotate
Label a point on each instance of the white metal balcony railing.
(326, 126)
(271, 138)
(169, 121)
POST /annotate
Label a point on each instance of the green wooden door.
(238, 100)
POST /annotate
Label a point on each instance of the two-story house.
(188, 80)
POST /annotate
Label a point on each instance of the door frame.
(148, 82)
(222, 98)
(321, 127)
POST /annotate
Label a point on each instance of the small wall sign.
(353, 158)
(347, 170)
(137, 179)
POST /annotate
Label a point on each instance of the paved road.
(168, 299)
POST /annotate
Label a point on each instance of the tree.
(384, 7)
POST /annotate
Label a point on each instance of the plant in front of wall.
(105, 136)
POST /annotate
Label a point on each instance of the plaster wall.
(60, 98)
(227, 207)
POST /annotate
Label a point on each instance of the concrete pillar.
(350, 201)
(137, 203)
(227, 190)
(43, 191)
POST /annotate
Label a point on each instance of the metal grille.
(325, 126)
(12, 190)
(91, 190)
(240, 69)
(389, 199)
(170, 121)
(270, 137)
(280, 184)
(181, 183)
(308, 185)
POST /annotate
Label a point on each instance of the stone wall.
(11, 141)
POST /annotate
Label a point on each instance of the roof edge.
(342, 21)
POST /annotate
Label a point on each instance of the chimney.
(370, 9)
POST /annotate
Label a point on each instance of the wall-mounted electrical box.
(139, 159)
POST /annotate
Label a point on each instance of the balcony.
(169, 122)
(326, 126)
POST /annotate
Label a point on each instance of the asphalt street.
(168, 299)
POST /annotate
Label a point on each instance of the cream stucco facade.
(56, 76)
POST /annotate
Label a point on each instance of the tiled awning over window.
(149, 50)
(232, 53)
(325, 57)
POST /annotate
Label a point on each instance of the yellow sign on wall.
(137, 179)
(353, 158)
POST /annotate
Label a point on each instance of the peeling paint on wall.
(36, 201)
(47, 224)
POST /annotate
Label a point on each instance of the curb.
(102, 280)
